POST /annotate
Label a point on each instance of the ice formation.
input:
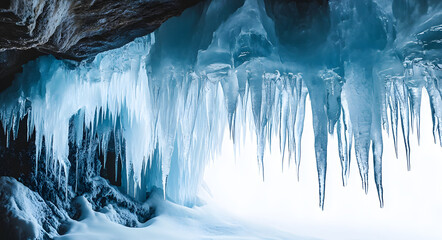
(166, 98)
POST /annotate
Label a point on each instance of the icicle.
(59, 174)
(299, 122)
(116, 166)
(15, 126)
(320, 131)
(7, 138)
(402, 94)
(283, 116)
(104, 145)
(66, 175)
(358, 89)
(344, 146)
(393, 115)
(362, 144)
(377, 165)
(435, 103)
(76, 170)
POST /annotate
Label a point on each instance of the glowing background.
(412, 199)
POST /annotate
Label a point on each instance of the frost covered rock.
(24, 214)
(116, 206)
(45, 185)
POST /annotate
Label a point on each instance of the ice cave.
(220, 119)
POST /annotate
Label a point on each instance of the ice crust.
(166, 98)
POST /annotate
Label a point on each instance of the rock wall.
(74, 29)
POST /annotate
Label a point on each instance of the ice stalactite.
(166, 98)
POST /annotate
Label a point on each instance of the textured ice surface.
(166, 98)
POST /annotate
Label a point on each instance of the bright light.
(412, 199)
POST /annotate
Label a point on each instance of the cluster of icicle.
(167, 98)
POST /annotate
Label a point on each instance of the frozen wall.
(166, 98)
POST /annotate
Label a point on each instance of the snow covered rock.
(24, 214)
(116, 206)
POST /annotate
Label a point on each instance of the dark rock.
(76, 29)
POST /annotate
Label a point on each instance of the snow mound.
(24, 214)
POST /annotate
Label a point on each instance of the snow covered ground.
(173, 222)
